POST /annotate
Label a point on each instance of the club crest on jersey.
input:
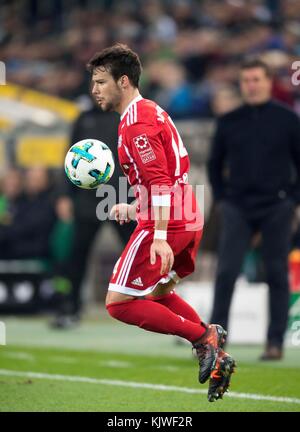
(144, 148)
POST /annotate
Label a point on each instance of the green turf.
(23, 393)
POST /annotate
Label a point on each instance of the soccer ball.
(89, 163)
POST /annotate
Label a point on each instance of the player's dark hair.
(118, 60)
(256, 63)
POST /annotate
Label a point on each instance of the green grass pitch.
(107, 366)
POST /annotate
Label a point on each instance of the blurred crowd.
(34, 222)
(190, 49)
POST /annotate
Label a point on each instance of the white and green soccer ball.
(89, 163)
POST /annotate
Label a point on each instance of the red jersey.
(155, 161)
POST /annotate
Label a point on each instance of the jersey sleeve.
(146, 145)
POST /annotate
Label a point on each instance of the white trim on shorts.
(140, 293)
(129, 258)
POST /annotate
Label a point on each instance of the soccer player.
(163, 247)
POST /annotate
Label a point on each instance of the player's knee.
(116, 303)
(115, 309)
(112, 310)
(114, 297)
(118, 310)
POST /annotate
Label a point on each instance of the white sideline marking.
(38, 375)
(18, 355)
(167, 368)
(65, 360)
(116, 364)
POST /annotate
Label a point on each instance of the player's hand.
(123, 213)
(162, 248)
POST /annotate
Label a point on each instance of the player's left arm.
(146, 146)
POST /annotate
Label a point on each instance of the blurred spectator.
(11, 194)
(62, 235)
(224, 100)
(159, 25)
(27, 232)
(170, 88)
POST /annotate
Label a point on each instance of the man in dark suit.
(254, 170)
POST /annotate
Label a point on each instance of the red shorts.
(134, 275)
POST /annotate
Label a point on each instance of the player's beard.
(108, 107)
(112, 105)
